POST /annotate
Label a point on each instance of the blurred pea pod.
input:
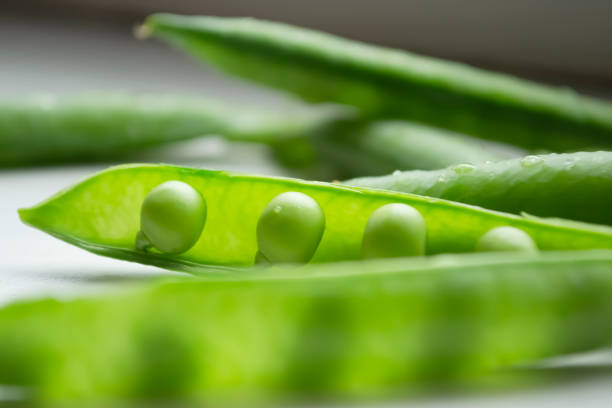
(574, 186)
(371, 328)
(43, 129)
(390, 83)
(47, 129)
(359, 147)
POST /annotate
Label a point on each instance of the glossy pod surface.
(390, 83)
(573, 186)
(384, 323)
(101, 214)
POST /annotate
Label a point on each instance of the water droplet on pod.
(570, 163)
(463, 168)
(530, 161)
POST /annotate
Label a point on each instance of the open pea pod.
(369, 328)
(392, 83)
(102, 214)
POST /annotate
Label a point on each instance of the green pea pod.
(101, 214)
(574, 186)
(390, 83)
(371, 328)
(51, 129)
(47, 129)
(359, 148)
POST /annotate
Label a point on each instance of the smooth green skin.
(506, 239)
(573, 186)
(393, 231)
(172, 216)
(391, 83)
(115, 126)
(290, 228)
(56, 129)
(368, 328)
(102, 215)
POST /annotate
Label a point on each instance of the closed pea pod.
(506, 239)
(472, 315)
(110, 126)
(172, 217)
(391, 83)
(394, 230)
(575, 186)
(290, 228)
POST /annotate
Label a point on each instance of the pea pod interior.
(101, 214)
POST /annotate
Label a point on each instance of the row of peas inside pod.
(290, 227)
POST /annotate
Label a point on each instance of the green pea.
(290, 228)
(172, 217)
(394, 230)
(506, 239)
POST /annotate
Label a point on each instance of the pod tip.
(142, 31)
(25, 215)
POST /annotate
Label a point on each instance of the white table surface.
(53, 57)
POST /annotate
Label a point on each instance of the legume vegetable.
(357, 148)
(573, 186)
(394, 230)
(390, 83)
(347, 328)
(366, 328)
(506, 239)
(172, 217)
(51, 129)
(290, 228)
(101, 214)
(43, 129)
